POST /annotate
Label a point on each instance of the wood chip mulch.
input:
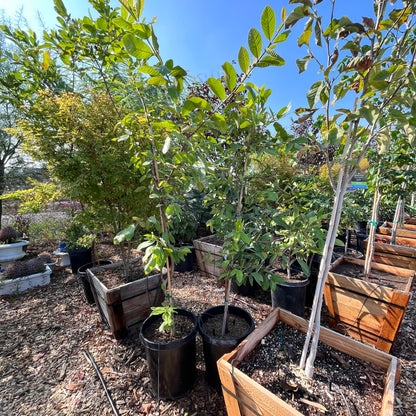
(44, 370)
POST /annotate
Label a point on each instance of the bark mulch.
(44, 369)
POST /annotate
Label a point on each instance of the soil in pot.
(115, 277)
(341, 384)
(171, 361)
(378, 277)
(82, 273)
(215, 345)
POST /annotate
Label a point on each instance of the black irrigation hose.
(246, 303)
(100, 376)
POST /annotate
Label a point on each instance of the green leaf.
(303, 63)
(217, 87)
(60, 8)
(122, 23)
(270, 61)
(142, 30)
(173, 93)
(297, 14)
(255, 42)
(220, 122)
(303, 39)
(125, 235)
(178, 72)
(318, 33)
(187, 107)
(313, 95)
(304, 266)
(139, 7)
(243, 59)
(200, 103)
(368, 114)
(146, 69)
(230, 76)
(268, 22)
(157, 81)
(136, 47)
(282, 37)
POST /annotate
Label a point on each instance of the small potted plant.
(12, 247)
(21, 275)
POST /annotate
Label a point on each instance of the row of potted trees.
(210, 141)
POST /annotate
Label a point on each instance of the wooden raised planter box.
(369, 312)
(401, 232)
(393, 254)
(124, 307)
(245, 397)
(209, 255)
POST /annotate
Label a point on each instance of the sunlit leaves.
(60, 8)
(268, 22)
(270, 61)
(255, 42)
(46, 60)
(125, 235)
(157, 81)
(243, 59)
(230, 76)
(297, 14)
(313, 95)
(139, 7)
(136, 47)
(303, 63)
(216, 87)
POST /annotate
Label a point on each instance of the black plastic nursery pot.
(291, 296)
(79, 257)
(215, 347)
(187, 265)
(172, 365)
(82, 273)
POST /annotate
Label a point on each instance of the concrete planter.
(12, 252)
(8, 287)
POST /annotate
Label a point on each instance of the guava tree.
(366, 73)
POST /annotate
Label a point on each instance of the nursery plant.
(366, 70)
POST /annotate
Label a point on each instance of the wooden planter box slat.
(245, 397)
(208, 256)
(405, 226)
(400, 232)
(124, 307)
(393, 254)
(366, 311)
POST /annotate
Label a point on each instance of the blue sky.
(200, 35)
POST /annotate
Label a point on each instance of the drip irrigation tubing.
(100, 376)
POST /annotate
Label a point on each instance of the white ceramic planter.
(12, 252)
(8, 287)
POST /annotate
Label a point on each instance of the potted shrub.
(11, 246)
(296, 234)
(169, 339)
(21, 275)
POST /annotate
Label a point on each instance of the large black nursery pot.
(82, 274)
(79, 257)
(172, 365)
(214, 346)
(187, 265)
(291, 296)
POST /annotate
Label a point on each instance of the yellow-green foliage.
(77, 138)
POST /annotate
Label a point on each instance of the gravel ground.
(46, 331)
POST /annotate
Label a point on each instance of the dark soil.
(236, 327)
(115, 276)
(341, 384)
(378, 277)
(183, 327)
